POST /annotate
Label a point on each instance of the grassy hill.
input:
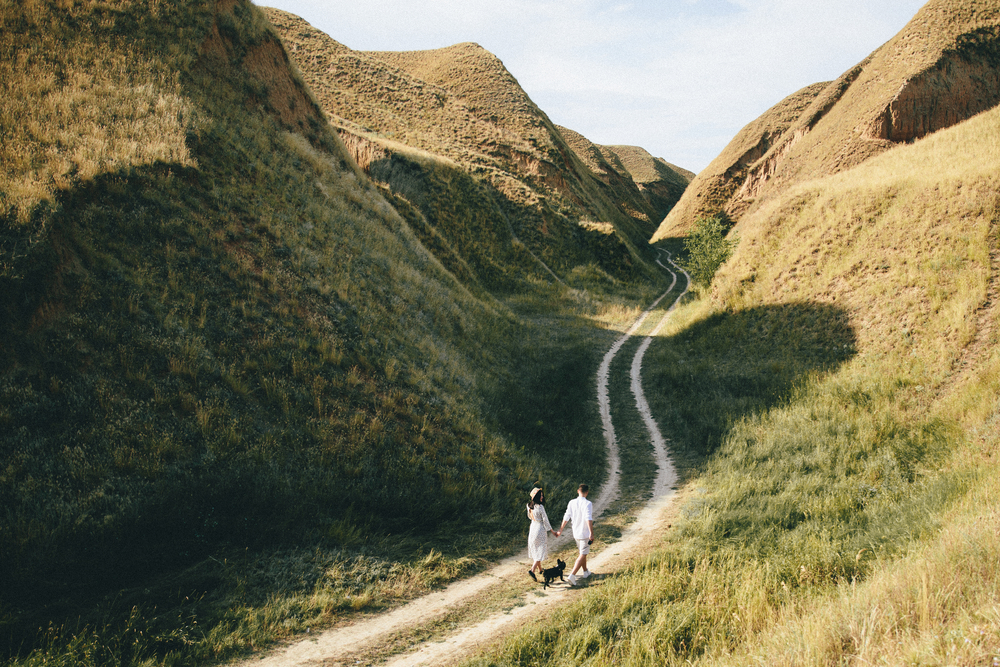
(840, 385)
(661, 182)
(939, 70)
(646, 185)
(451, 132)
(238, 393)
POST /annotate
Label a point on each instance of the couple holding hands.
(579, 511)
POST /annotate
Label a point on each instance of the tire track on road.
(339, 644)
(666, 477)
(477, 638)
(609, 490)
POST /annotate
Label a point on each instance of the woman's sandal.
(531, 573)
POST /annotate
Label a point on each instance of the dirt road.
(350, 644)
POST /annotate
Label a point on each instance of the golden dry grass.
(112, 110)
(848, 516)
(911, 262)
(937, 605)
(461, 103)
(945, 54)
(901, 243)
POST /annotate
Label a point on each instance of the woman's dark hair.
(541, 500)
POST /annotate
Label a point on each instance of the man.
(581, 512)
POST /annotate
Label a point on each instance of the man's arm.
(590, 519)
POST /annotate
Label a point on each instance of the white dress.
(538, 546)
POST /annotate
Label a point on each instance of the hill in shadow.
(215, 332)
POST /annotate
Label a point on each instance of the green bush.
(707, 249)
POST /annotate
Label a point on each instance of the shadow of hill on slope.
(800, 475)
(250, 350)
(186, 380)
(799, 463)
(168, 389)
(479, 233)
(729, 365)
(162, 403)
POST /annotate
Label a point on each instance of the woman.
(538, 547)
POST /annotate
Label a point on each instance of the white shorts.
(583, 546)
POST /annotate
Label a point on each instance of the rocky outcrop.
(764, 166)
(955, 89)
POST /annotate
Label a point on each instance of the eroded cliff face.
(714, 190)
(955, 89)
(941, 69)
(281, 93)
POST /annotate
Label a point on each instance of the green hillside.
(840, 385)
(451, 132)
(939, 70)
(228, 363)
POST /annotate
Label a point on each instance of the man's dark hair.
(584, 488)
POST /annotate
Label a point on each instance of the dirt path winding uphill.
(666, 477)
(361, 641)
(609, 491)
(649, 524)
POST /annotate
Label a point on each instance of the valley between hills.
(289, 330)
(447, 626)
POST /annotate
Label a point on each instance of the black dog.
(550, 573)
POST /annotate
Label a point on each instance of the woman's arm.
(545, 520)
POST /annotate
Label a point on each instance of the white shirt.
(580, 512)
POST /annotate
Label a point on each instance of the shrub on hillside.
(707, 249)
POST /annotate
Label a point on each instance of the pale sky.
(678, 77)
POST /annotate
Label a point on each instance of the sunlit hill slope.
(939, 70)
(649, 186)
(846, 369)
(451, 132)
